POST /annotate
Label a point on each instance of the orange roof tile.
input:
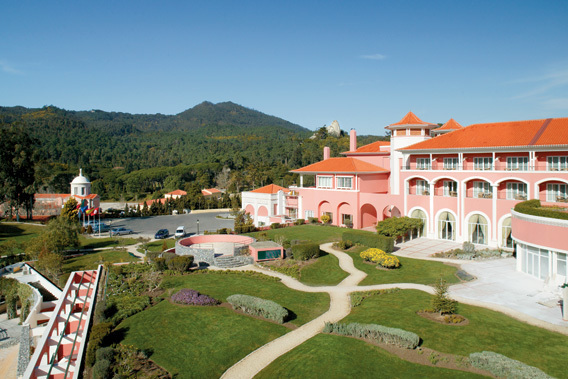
(543, 132)
(212, 190)
(341, 165)
(411, 119)
(91, 196)
(51, 195)
(177, 192)
(271, 188)
(374, 147)
(450, 125)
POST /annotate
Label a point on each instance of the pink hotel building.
(463, 182)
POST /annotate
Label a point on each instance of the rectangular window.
(557, 193)
(516, 191)
(518, 163)
(482, 163)
(308, 214)
(561, 268)
(422, 187)
(450, 188)
(423, 163)
(347, 219)
(558, 163)
(344, 182)
(450, 163)
(325, 181)
(482, 189)
(328, 214)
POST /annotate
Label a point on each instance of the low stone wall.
(199, 254)
(24, 352)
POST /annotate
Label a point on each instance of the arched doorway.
(391, 211)
(325, 208)
(506, 233)
(250, 210)
(368, 216)
(446, 226)
(345, 214)
(419, 213)
(477, 229)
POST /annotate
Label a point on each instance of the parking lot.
(148, 226)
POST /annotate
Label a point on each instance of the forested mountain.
(133, 156)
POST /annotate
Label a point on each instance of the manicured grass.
(487, 330)
(410, 271)
(19, 233)
(97, 243)
(315, 233)
(306, 306)
(156, 246)
(91, 261)
(197, 342)
(332, 356)
(324, 271)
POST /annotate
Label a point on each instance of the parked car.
(180, 232)
(120, 231)
(161, 234)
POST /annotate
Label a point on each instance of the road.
(148, 226)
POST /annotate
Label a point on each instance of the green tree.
(17, 168)
(70, 211)
(59, 234)
(441, 302)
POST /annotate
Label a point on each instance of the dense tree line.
(134, 157)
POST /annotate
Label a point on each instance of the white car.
(180, 232)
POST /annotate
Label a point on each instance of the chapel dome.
(80, 179)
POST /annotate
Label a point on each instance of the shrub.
(303, 252)
(313, 220)
(453, 319)
(96, 338)
(344, 245)
(224, 231)
(504, 367)
(375, 333)
(127, 305)
(398, 226)
(180, 263)
(533, 207)
(101, 369)
(89, 229)
(468, 248)
(383, 243)
(152, 255)
(441, 302)
(380, 257)
(275, 225)
(160, 264)
(325, 219)
(299, 221)
(259, 307)
(191, 297)
(164, 246)
(105, 353)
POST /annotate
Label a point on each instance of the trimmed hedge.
(180, 263)
(259, 307)
(96, 338)
(377, 241)
(533, 207)
(305, 251)
(504, 367)
(375, 333)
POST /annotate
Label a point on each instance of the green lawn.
(332, 356)
(91, 261)
(156, 246)
(197, 342)
(324, 271)
(410, 271)
(20, 233)
(315, 233)
(86, 242)
(306, 306)
(487, 330)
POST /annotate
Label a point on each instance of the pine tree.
(442, 302)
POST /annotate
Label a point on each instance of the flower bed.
(381, 258)
(191, 297)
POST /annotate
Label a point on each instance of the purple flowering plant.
(192, 297)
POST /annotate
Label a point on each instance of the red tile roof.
(51, 195)
(177, 193)
(341, 165)
(374, 147)
(543, 132)
(210, 191)
(450, 125)
(411, 119)
(150, 202)
(91, 196)
(271, 188)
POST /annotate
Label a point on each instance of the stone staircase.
(229, 261)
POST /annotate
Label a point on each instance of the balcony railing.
(469, 166)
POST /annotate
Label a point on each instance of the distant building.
(175, 194)
(212, 192)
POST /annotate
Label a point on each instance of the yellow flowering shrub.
(380, 257)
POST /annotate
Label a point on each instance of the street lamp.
(197, 226)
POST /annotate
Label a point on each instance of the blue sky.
(363, 63)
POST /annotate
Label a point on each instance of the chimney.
(326, 153)
(352, 140)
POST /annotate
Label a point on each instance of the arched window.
(417, 213)
(506, 237)
(446, 226)
(477, 229)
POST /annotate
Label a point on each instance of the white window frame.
(561, 257)
(483, 163)
(557, 163)
(422, 187)
(518, 163)
(343, 218)
(451, 163)
(516, 191)
(326, 177)
(556, 191)
(423, 164)
(449, 187)
(481, 187)
(308, 214)
(340, 185)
